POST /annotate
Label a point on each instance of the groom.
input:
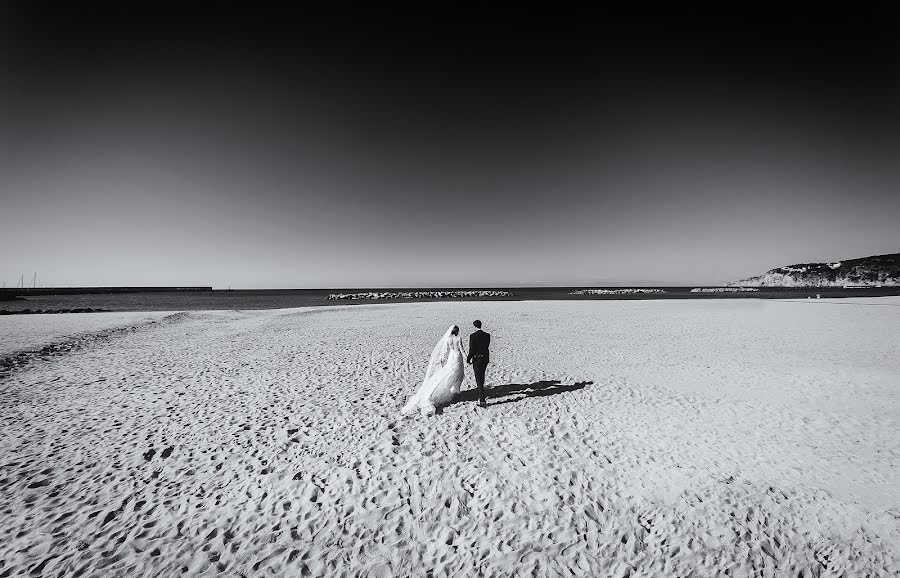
(479, 342)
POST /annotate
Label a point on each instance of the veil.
(438, 354)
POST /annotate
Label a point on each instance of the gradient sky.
(254, 145)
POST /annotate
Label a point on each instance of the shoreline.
(242, 300)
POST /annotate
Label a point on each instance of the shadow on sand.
(519, 390)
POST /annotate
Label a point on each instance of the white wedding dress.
(443, 377)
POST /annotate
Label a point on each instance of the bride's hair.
(455, 330)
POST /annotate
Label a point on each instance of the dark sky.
(259, 145)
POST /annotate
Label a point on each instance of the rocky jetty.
(874, 271)
(723, 289)
(615, 291)
(377, 295)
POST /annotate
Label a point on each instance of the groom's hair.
(477, 323)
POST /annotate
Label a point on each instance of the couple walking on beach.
(446, 371)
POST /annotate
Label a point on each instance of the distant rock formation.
(723, 289)
(875, 271)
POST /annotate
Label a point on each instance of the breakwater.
(7, 293)
(723, 289)
(618, 291)
(378, 295)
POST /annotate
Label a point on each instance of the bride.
(443, 377)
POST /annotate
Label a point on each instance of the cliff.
(869, 271)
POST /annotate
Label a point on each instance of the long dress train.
(443, 378)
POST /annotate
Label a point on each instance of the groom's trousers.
(479, 366)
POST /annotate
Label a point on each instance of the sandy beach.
(622, 438)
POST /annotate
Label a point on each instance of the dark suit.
(479, 356)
